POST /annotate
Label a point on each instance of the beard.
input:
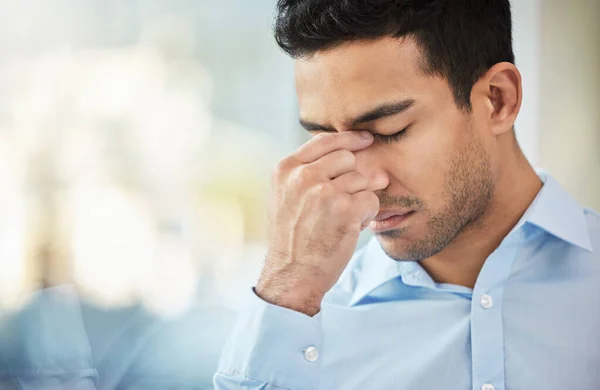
(467, 194)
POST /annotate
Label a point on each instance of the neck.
(461, 261)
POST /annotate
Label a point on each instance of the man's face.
(439, 168)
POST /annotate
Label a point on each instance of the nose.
(369, 165)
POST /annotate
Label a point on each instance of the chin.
(407, 245)
(394, 243)
(402, 236)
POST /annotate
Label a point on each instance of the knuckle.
(368, 203)
(347, 157)
(374, 199)
(372, 203)
(359, 179)
(369, 198)
(305, 175)
(300, 178)
(324, 191)
(325, 139)
(342, 204)
(282, 168)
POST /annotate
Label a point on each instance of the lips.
(389, 220)
(390, 213)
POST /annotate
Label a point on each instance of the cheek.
(415, 173)
(424, 160)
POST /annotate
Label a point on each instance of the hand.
(318, 206)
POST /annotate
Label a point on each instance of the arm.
(318, 206)
(267, 349)
(44, 345)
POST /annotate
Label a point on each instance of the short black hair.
(460, 39)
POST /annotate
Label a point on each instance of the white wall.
(570, 96)
(557, 49)
(526, 38)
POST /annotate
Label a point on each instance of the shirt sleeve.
(44, 345)
(271, 347)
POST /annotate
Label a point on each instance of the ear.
(502, 92)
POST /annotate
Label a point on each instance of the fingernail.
(366, 135)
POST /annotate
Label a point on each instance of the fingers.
(326, 143)
(351, 182)
(367, 206)
(332, 165)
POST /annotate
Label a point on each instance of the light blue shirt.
(59, 341)
(531, 322)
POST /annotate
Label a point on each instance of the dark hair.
(460, 39)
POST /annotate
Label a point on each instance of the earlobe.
(505, 96)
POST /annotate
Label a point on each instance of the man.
(482, 274)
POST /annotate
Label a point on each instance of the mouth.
(389, 220)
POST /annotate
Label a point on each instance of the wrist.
(300, 297)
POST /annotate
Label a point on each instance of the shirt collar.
(556, 212)
(553, 210)
(377, 268)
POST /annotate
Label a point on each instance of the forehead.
(345, 80)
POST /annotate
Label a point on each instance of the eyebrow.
(383, 111)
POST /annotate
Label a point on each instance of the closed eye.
(388, 139)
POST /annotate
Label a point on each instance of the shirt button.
(311, 354)
(487, 302)
(488, 386)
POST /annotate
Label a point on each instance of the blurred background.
(137, 139)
